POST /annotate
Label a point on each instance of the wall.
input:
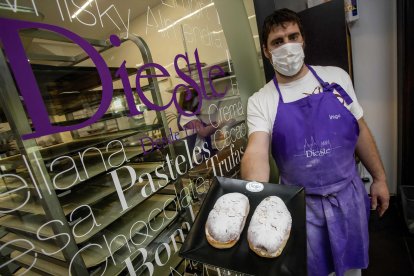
(374, 50)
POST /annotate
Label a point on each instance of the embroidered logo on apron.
(312, 148)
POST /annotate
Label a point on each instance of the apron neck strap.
(327, 87)
(323, 84)
(277, 84)
(277, 88)
(330, 87)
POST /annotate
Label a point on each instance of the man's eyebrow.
(293, 34)
(276, 38)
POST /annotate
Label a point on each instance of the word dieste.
(317, 153)
(37, 111)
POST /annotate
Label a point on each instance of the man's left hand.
(380, 197)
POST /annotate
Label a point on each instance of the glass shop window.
(114, 118)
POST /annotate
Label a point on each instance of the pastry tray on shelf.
(50, 153)
(240, 257)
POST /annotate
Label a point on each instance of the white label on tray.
(254, 187)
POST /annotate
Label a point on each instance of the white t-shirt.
(262, 105)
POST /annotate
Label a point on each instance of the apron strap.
(334, 86)
(327, 87)
(330, 87)
(277, 88)
(323, 84)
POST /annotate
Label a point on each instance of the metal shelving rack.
(59, 204)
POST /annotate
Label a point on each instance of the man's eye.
(294, 38)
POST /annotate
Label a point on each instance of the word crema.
(36, 109)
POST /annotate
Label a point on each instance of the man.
(312, 119)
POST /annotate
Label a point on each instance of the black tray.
(240, 258)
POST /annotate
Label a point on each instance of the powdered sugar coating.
(226, 220)
(270, 225)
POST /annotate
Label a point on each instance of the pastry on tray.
(269, 228)
(226, 220)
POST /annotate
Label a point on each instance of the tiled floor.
(391, 245)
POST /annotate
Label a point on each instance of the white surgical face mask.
(288, 58)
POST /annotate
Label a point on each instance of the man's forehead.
(285, 27)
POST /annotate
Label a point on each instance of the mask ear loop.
(269, 56)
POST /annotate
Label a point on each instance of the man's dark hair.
(280, 18)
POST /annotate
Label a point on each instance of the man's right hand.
(255, 162)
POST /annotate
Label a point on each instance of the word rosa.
(26, 81)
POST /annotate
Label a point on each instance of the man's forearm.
(255, 162)
(255, 167)
(368, 153)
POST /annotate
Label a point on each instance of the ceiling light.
(185, 17)
(82, 8)
(70, 92)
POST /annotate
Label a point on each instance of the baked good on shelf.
(269, 227)
(226, 220)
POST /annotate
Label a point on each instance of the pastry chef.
(311, 118)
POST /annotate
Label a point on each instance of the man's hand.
(368, 153)
(380, 197)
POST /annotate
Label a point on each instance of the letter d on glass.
(26, 81)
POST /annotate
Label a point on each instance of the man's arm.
(201, 130)
(255, 162)
(368, 153)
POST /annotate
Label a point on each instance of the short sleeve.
(354, 107)
(256, 120)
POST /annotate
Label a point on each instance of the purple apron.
(313, 143)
